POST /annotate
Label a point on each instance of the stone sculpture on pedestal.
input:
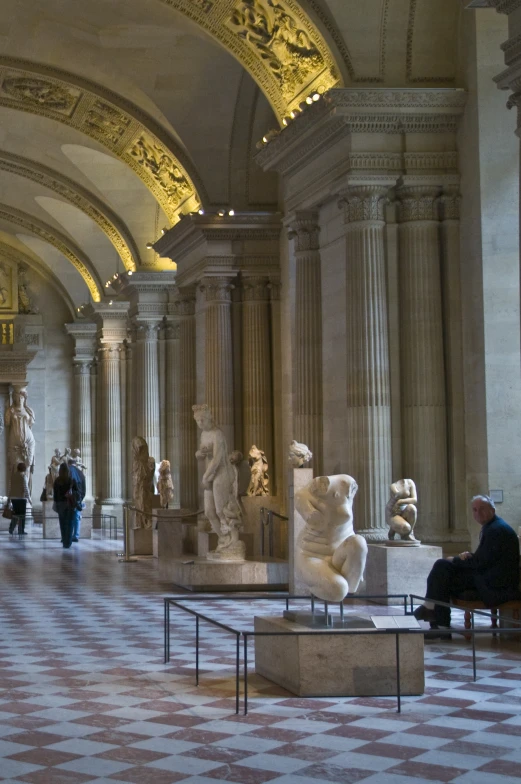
(53, 468)
(401, 512)
(142, 483)
(19, 420)
(76, 459)
(330, 557)
(299, 454)
(218, 482)
(165, 486)
(259, 472)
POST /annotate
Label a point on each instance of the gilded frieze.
(162, 168)
(41, 92)
(106, 122)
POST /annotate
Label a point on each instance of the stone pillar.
(110, 422)
(172, 392)
(218, 354)
(162, 385)
(83, 421)
(424, 414)
(187, 398)
(368, 445)
(256, 367)
(131, 413)
(307, 420)
(146, 370)
(279, 448)
(94, 413)
(125, 452)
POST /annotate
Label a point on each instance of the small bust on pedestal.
(299, 454)
(401, 514)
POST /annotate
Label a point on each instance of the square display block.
(392, 570)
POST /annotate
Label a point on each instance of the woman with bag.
(19, 498)
(66, 499)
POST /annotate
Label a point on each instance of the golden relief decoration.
(6, 287)
(162, 168)
(41, 92)
(286, 48)
(112, 121)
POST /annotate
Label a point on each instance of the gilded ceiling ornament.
(41, 92)
(162, 168)
(106, 121)
(282, 44)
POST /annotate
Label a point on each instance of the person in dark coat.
(66, 498)
(79, 478)
(491, 574)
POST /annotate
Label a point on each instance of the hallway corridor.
(86, 698)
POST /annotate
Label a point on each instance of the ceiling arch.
(16, 256)
(275, 40)
(120, 126)
(80, 197)
(62, 243)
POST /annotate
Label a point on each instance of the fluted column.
(172, 390)
(424, 415)
(256, 366)
(125, 451)
(110, 424)
(307, 419)
(187, 398)
(94, 413)
(368, 445)
(146, 369)
(83, 419)
(131, 411)
(162, 392)
(218, 353)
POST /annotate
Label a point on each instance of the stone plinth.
(398, 569)
(171, 535)
(328, 665)
(195, 573)
(140, 541)
(51, 523)
(297, 479)
(116, 510)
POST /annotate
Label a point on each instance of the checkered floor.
(85, 696)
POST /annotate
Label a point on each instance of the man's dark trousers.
(446, 580)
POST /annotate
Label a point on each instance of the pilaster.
(185, 310)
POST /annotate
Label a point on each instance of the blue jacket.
(495, 563)
(79, 478)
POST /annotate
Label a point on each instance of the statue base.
(395, 570)
(236, 553)
(402, 543)
(328, 665)
(202, 574)
(323, 621)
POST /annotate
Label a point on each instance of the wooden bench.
(468, 605)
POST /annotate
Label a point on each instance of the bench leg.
(468, 624)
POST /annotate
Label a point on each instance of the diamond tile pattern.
(85, 696)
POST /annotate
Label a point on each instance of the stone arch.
(114, 228)
(62, 243)
(275, 41)
(117, 124)
(16, 256)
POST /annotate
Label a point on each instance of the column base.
(112, 507)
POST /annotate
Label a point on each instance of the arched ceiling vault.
(133, 136)
(276, 42)
(80, 197)
(62, 243)
(16, 256)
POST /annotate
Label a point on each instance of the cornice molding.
(80, 197)
(62, 243)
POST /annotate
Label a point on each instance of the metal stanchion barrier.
(126, 544)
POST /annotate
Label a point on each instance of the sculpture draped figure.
(142, 483)
(19, 420)
(401, 512)
(165, 486)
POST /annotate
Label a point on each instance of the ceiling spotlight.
(284, 121)
(309, 99)
(231, 212)
(221, 213)
(130, 272)
(110, 303)
(107, 284)
(79, 310)
(316, 96)
(115, 276)
(149, 246)
(201, 211)
(293, 114)
(265, 139)
(164, 230)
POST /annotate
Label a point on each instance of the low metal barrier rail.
(266, 521)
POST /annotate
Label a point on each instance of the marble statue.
(142, 483)
(53, 468)
(259, 472)
(165, 485)
(401, 512)
(19, 420)
(219, 481)
(76, 459)
(25, 302)
(154, 468)
(299, 454)
(330, 558)
(230, 547)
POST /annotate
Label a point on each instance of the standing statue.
(53, 468)
(142, 483)
(230, 547)
(76, 459)
(401, 512)
(25, 303)
(299, 454)
(19, 419)
(219, 478)
(165, 485)
(259, 472)
(154, 468)
(330, 557)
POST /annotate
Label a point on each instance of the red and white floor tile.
(85, 696)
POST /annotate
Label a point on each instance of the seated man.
(491, 573)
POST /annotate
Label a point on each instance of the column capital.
(184, 303)
(450, 201)
(172, 331)
(418, 202)
(255, 289)
(148, 330)
(364, 203)
(82, 367)
(304, 227)
(108, 351)
(275, 287)
(216, 289)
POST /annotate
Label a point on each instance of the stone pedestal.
(140, 541)
(297, 478)
(116, 510)
(170, 536)
(398, 569)
(199, 574)
(325, 665)
(51, 523)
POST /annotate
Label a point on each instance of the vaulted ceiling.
(116, 117)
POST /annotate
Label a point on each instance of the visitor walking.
(66, 499)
